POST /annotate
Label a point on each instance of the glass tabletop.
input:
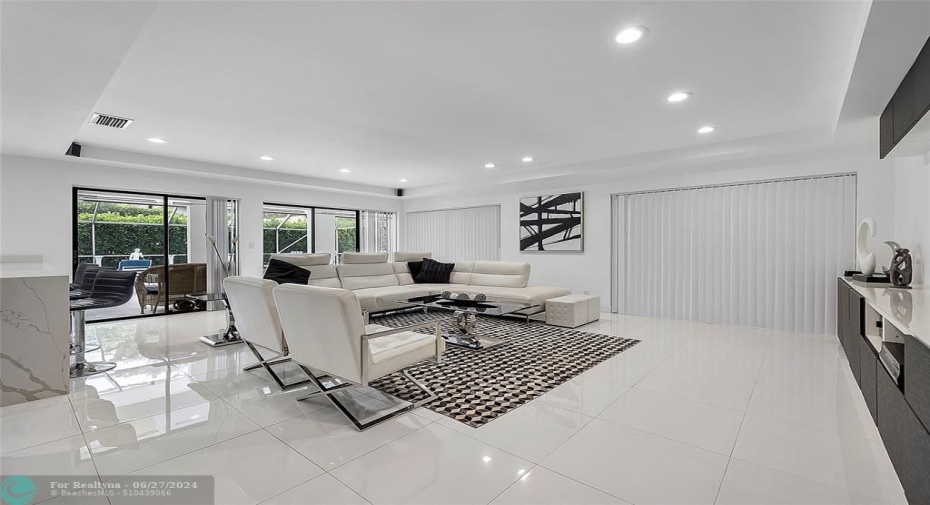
(490, 308)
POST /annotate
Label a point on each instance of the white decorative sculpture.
(865, 257)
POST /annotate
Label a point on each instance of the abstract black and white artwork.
(552, 223)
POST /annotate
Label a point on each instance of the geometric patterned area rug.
(476, 386)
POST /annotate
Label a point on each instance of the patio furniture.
(153, 285)
(134, 265)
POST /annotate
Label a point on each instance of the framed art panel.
(552, 223)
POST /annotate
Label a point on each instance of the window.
(296, 229)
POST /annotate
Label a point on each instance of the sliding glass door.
(164, 239)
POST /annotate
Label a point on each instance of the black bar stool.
(111, 288)
(82, 288)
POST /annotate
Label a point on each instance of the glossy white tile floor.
(695, 414)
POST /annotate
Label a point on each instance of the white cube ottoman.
(572, 311)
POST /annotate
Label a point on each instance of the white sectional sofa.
(377, 282)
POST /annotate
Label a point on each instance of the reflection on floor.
(695, 414)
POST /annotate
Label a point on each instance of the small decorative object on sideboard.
(902, 269)
(866, 258)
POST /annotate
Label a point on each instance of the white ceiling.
(427, 91)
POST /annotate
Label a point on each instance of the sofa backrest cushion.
(500, 274)
(411, 256)
(461, 274)
(324, 276)
(304, 260)
(366, 275)
(402, 271)
(354, 258)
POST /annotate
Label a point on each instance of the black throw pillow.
(283, 272)
(414, 267)
(434, 272)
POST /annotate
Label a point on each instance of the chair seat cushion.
(151, 287)
(385, 348)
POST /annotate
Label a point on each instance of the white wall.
(35, 203)
(912, 212)
(590, 271)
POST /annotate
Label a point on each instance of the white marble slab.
(34, 329)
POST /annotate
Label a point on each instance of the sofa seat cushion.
(533, 295)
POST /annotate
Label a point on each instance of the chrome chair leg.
(267, 364)
(81, 368)
(347, 413)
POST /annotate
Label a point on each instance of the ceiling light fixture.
(403, 180)
(630, 35)
(489, 165)
(156, 140)
(265, 158)
(527, 159)
(344, 170)
(706, 129)
(679, 96)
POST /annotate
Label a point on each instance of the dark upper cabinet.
(905, 106)
(908, 104)
(886, 130)
(922, 81)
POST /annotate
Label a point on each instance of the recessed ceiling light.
(527, 159)
(156, 140)
(344, 170)
(706, 129)
(265, 158)
(489, 165)
(679, 96)
(403, 180)
(630, 35)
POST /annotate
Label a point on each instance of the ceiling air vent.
(110, 121)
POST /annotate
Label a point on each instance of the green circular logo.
(18, 490)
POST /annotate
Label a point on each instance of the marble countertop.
(21, 270)
(906, 309)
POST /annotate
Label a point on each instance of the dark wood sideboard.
(901, 411)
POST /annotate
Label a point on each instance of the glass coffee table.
(465, 314)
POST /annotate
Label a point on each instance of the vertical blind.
(379, 231)
(763, 254)
(455, 234)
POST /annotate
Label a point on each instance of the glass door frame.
(75, 259)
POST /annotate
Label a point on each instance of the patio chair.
(134, 265)
(183, 279)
